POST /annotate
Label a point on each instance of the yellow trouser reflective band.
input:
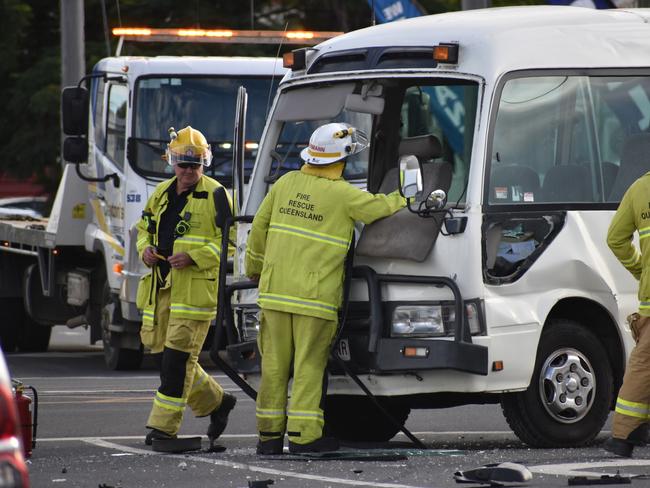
(306, 415)
(298, 302)
(645, 232)
(147, 317)
(170, 403)
(269, 414)
(644, 305)
(633, 409)
(255, 256)
(310, 234)
(200, 313)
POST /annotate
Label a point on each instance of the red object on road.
(26, 416)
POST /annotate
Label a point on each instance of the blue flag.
(389, 10)
(585, 3)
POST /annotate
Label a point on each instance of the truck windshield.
(569, 139)
(205, 103)
(412, 107)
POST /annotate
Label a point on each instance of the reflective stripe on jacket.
(633, 215)
(194, 288)
(300, 236)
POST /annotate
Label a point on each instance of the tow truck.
(80, 267)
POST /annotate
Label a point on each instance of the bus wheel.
(356, 418)
(570, 393)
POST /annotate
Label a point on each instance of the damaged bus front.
(495, 285)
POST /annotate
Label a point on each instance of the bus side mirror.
(410, 176)
(74, 111)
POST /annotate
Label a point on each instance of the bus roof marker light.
(446, 53)
(295, 60)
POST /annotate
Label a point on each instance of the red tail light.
(8, 416)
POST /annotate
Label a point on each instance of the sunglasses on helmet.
(188, 165)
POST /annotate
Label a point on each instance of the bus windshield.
(205, 103)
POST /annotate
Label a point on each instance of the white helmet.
(333, 142)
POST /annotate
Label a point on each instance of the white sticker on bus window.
(501, 192)
(529, 196)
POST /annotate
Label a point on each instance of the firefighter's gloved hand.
(255, 278)
(150, 256)
(180, 260)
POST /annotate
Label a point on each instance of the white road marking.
(248, 467)
(577, 469)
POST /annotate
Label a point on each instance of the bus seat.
(404, 235)
(513, 183)
(635, 161)
(567, 183)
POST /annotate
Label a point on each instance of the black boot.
(219, 417)
(157, 434)
(324, 444)
(270, 447)
(620, 447)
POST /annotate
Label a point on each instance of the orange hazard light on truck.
(145, 34)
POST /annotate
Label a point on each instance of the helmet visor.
(189, 154)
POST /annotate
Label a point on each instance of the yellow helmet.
(188, 145)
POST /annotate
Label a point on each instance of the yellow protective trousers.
(182, 380)
(285, 339)
(633, 402)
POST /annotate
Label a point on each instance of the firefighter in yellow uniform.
(296, 248)
(178, 239)
(632, 413)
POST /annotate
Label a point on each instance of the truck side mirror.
(410, 176)
(74, 111)
(75, 149)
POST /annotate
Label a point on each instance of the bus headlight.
(248, 322)
(433, 320)
(417, 320)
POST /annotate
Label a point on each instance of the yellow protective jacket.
(300, 237)
(633, 215)
(194, 288)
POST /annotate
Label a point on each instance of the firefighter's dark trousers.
(285, 339)
(633, 402)
(182, 380)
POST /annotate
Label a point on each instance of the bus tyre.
(106, 311)
(570, 393)
(356, 418)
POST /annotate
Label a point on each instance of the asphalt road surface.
(91, 431)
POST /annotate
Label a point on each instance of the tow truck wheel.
(570, 394)
(32, 336)
(356, 418)
(106, 311)
(19, 331)
(13, 312)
